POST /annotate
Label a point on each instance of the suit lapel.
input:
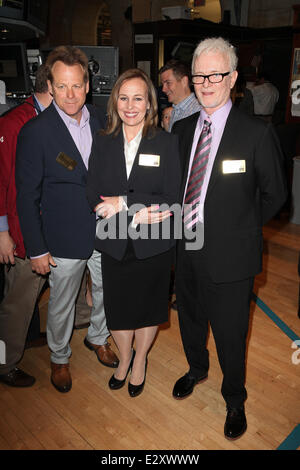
(225, 148)
(186, 137)
(64, 138)
(118, 157)
(135, 166)
(94, 123)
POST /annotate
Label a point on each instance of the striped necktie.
(193, 192)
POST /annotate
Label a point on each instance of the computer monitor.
(14, 69)
(183, 51)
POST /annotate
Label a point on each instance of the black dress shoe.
(236, 423)
(116, 384)
(135, 390)
(17, 378)
(185, 385)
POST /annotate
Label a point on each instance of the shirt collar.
(68, 120)
(136, 139)
(41, 107)
(219, 117)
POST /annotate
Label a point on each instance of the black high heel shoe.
(135, 390)
(116, 384)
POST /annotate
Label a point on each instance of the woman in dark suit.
(133, 180)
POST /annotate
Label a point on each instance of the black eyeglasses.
(212, 78)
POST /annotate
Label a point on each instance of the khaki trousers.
(21, 291)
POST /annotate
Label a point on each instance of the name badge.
(234, 166)
(149, 160)
(66, 161)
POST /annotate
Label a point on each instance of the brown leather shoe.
(61, 377)
(104, 354)
(17, 378)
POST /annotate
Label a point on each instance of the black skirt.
(136, 291)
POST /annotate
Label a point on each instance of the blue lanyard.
(36, 105)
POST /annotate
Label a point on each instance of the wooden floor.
(91, 416)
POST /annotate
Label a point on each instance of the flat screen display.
(14, 69)
(183, 51)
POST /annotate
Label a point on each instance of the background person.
(265, 96)
(165, 117)
(241, 96)
(19, 314)
(175, 79)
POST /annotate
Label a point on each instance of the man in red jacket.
(22, 286)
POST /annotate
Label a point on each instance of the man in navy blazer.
(243, 187)
(56, 221)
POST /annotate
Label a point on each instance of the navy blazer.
(237, 204)
(146, 185)
(51, 199)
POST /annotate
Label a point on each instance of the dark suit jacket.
(237, 204)
(51, 200)
(146, 185)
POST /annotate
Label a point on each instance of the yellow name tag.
(234, 166)
(149, 160)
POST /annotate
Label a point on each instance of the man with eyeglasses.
(233, 183)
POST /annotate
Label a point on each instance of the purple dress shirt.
(218, 120)
(80, 133)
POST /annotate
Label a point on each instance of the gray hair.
(217, 45)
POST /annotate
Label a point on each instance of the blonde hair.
(216, 45)
(114, 121)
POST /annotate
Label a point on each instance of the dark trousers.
(22, 289)
(34, 327)
(225, 306)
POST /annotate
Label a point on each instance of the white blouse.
(130, 150)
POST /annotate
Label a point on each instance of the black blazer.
(51, 199)
(146, 185)
(237, 204)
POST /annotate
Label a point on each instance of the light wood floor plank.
(91, 416)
